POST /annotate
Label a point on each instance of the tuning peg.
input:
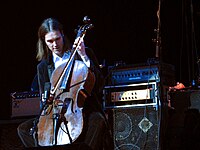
(86, 19)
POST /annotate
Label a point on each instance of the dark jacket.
(93, 102)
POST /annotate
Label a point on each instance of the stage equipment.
(135, 127)
(141, 73)
(135, 103)
(195, 100)
(25, 104)
(133, 74)
(183, 121)
(185, 99)
(140, 94)
(133, 112)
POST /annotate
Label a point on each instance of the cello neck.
(79, 38)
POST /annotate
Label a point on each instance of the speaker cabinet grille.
(135, 128)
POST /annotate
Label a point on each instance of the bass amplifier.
(25, 104)
(141, 94)
(130, 74)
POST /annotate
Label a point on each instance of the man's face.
(54, 41)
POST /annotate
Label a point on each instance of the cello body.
(68, 104)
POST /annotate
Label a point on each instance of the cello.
(61, 120)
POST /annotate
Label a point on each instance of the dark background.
(123, 32)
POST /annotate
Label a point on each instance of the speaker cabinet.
(24, 104)
(135, 128)
(195, 100)
(183, 130)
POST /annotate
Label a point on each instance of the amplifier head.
(132, 94)
(25, 104)
(134, 75)
(141, 73)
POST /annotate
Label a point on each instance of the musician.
(54, 49)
